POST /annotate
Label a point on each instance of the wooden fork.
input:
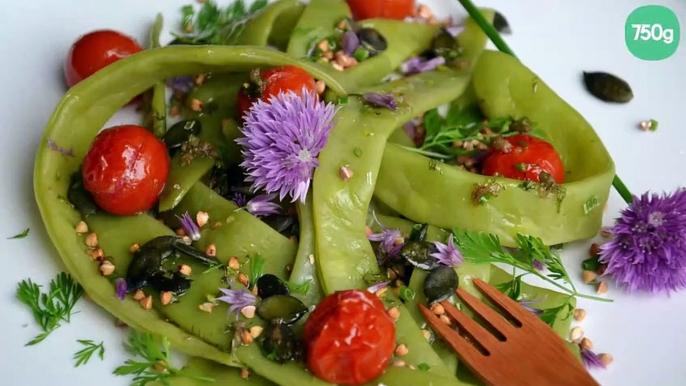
(522, 351)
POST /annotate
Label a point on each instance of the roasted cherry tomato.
(263, 85)
(524, 159)
(95, 50)
(126, 169)
(388, 9)
(349, 338)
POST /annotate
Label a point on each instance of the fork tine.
(489, 315)
(476, 331)
(508, 305)
(467, 352)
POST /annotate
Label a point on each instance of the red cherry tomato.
(271, 83)
(126, 169)
(387, 9)
(350, 338)
(95, 50)
(525, 160)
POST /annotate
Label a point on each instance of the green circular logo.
(652, 32)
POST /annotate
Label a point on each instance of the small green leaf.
(187, 14)
(424, 367)
(257, 5)
(256, 268)
(20, 235)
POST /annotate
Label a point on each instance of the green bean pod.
(272, 25)
(442, 195)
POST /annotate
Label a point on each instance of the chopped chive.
(592, 264)
(424, 367)
(520, 166)
(343, 101)
(406, 294)
(653, 125)
(361, 54)
(357, 152)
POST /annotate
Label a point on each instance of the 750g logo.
(652, 32)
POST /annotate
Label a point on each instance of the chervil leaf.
(20, 235)
(479, 247)
(84, 355)
(549, 316)
(49, 309)
(156, 364)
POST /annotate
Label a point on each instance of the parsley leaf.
(480, 247)
(20, 235)
(84, 355)
(549, 316)
(49, 309)
(155, 363)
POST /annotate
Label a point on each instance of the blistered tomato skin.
(95, 50)
(126, 169)
(274, 81)
(525, 160)
(387, 9)
(349, 338)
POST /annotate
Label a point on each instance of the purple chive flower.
(190, 226)
(527, 305)
(120, 288)
(262, 205)
(282, 139)
(350, 42)
(648, 251)
(447, 254)
(455, 30)
(591, 359)
(54, 147)
(538, 265)
(237, 299)
(387, 239)
(378, 286)
(418, 65)
(182, 84)
(386, 100)
(240, 200)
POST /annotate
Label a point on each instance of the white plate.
(557, 39)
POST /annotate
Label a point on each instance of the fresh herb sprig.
(479, 247)
(465, 125)
(549, 315)
(84, 355)
(212, 24)
(53, 307)
(155, 363)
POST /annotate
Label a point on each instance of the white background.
(557, 39)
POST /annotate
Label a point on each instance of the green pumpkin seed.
(501, 24)
(440, 284)
(279, 344)
(608, 87)
(418, 253)
(283, 308)
(180, 132)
